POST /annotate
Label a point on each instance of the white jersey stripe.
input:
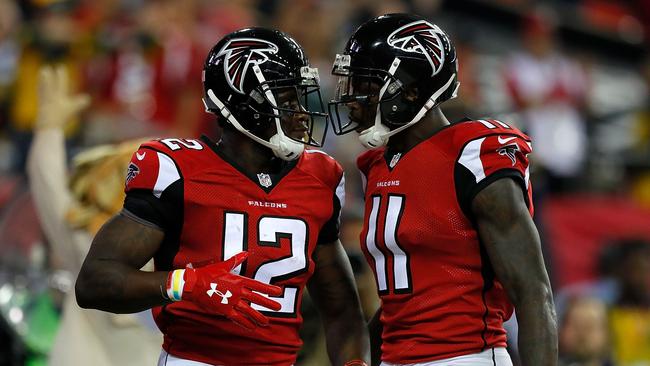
(167, 174)
(527, 176)
(233, 237)
(309, 151)
(501, 123)
(371, 245)
(340, 191)
(471, 159)
(400, 270)
(486, 123)
(527, 173)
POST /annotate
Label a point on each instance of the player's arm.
(110, 278)
(334, 292)
(512, 243)
(375, 328)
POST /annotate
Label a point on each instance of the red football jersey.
(439, 295)
(211, 211)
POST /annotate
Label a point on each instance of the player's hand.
(56, 105)
(215, 290)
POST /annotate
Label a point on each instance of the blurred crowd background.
(573, 74)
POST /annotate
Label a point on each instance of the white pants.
(489, 357)
(166, 359)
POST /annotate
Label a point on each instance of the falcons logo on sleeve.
(510, 151)
(421, 37)
(239, 54)
(131, 173)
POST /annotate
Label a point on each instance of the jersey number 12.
(270, 229)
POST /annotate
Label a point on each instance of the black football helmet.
(257, 77)
(393, 52)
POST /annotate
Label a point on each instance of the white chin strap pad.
(285, 148)
(374, 137)
(377, 135)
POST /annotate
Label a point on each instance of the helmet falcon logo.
(239, 54)
(421, 37)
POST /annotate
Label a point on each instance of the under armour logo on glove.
(213, 290)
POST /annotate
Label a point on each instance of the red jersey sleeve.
(150, 169)
(490, 157)
(153, 187)
(330, 172)
(365, 161)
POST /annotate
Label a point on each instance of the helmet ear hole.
(399, 109)
(411, 93)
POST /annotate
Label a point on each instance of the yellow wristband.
(175, 284)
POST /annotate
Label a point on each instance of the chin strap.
(377, 135)
(282, 146)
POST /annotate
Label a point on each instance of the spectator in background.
(604, 288)
(177, 71)
(122, 76)
(52, 39)
(583, 333)
(630, 315)
(9, 54)
(317, 38)
(143, 71)
(639, 159)
(623, 286)
(549, 90)
(70, 218)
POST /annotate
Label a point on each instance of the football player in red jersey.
(239, 227)
(448, 230)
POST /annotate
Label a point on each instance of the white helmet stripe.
(269, 95)
(391, 72)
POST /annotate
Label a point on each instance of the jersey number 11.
(374, 236)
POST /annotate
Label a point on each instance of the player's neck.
(249, 155)
(431, 123)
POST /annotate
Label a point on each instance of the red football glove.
(217, 291)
